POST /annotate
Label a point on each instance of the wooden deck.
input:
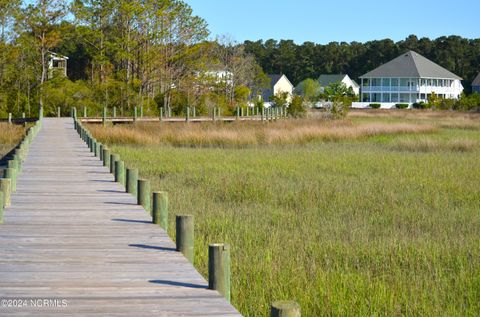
(73, 234)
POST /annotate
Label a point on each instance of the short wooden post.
(59, 114)
(214, 114)
(106, 157)
(100, 150)
(120, 172)
(194, 114)
(161, 114)
(160, 209)
(237, 114)
(134, 114)
(104, 116)
(13, 164)
(24, 119)
(6, 188)
(185, 236)
(143, 194)
(241, 111)
(2, 203)
(141, 111)
(114, 112)
(219, 269)
(84, 112)
(93, 148)
(40, 113)
(113, 159)
(263, 113)
(187, 115)
(10, 117)
(285, 309)
(11, 174)
(132, 181)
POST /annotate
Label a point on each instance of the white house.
(278, 84)
(476, 84)
(57, 64)
(327, 79)
(408, 78)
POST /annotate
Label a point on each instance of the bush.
(375, 105)
(296, 108)
(337, 109)
(401, 105)
(421, 105)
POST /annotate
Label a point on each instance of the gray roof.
(327, 79)
(274, 78)
(411, 64)
(476, 81)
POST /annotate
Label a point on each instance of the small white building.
(57, 65)
(408, 78)
(278, 84)
(327, 79)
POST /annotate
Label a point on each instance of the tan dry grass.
(249, 133)
(427, 144)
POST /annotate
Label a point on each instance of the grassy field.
(10, 135)
(381, 220)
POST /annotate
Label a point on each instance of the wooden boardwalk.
(72, 234)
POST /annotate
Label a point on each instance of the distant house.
(57, 65)
(476, 84)
(327, 79)
(220, 77)
(408, 78)
(278, 84)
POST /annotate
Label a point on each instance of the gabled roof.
(274, 78)
(476, 81)
(411, 64)
(327, 79)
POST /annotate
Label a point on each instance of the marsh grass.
(10, 135)
(244, 134)
(365, 226)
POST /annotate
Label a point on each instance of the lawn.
(382, 222)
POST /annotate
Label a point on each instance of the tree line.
(122, 53)
(308, 60)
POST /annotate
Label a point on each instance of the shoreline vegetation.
(382, 221)
(10, 135)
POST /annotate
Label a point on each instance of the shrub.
(375, 105)
(337, 109)
(296, 108)
(401, 105)
(421, 105)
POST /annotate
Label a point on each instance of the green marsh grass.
(369, 226)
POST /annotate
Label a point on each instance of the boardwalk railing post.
(10, 117)
(160, 209)
(131, 181)
(11, 174)
(106, 157)
(194, 114)
(143, 194)
(85, 112)
(219, 269)
(24, 119)
(100, 150)
(185, 236)
(187, 118)
(6, 188)
(59, 112)
(141, 111)
(104, 116)
(120, 172)
(134, 114)
(161, 114)
(113, 159)
(285, 309)
(114, 112)
(2, 202)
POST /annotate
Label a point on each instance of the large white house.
(278, 84)
(327, 79)
(408, 78)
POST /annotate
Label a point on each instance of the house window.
(386, 82)
(366, 82)
(422, 82)
(394, 82)
(429, 82)
(403, 82)
(376, 82)
(376, 97)
(404, 97)
(366, 97)
(386, 98)
(394, 97)
(435, 83)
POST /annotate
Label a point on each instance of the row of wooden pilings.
(264, 114)
(8, 183)
(156, 203)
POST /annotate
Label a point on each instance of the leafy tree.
(297, 109)
(310, 90)
(280, 99)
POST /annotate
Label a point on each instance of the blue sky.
(342, 20)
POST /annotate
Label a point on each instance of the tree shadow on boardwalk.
(173, 283)
(132, 221)
(111, 191)
(152, 247)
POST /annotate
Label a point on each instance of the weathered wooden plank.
(72, 233)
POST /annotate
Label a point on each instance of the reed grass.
(374, 224)
(10, 135)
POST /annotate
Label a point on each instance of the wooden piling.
(113, 159)
(2, 203)
(106, 157)
(143, 194)
(285, 309)
(219, 269)
(131, 181)
(6, 188)
(160, 209)
(11, 173)
(185, 236)
(120, 172)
